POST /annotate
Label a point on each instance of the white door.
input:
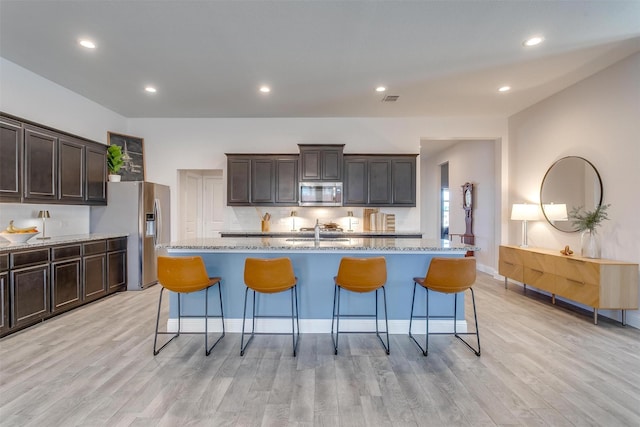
(213, 206)
(201, 204)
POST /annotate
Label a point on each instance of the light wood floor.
(540, 365)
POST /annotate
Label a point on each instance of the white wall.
(173, 144)
(469, 161)
(598, 119)
(31, 97)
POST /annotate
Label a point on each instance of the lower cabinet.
(29, 295)
(66, 277)
(4, 293)
(39, 283)
(116, 264)
(94, 265)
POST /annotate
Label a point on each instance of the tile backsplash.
(65, 219)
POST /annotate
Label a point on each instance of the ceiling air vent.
(390, 98)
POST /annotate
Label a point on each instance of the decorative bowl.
(17, 237)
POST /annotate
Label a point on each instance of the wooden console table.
(598, 283)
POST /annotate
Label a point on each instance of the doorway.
(201, 203)
(444, 200)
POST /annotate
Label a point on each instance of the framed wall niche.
(132, 155)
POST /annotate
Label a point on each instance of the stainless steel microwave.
(320, 194)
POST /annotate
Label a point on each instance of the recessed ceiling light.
(150, 89)
(381, 89)
(265, 89)
(504, 89)
(88, 44)
(533, 41)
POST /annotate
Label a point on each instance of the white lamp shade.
(556, 212)
(525, 212)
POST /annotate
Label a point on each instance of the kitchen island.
(315, 264)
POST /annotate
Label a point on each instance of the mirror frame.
(569, 208)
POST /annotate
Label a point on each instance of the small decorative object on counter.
(316, 231)
(265, 223)
(566, 251)
(586, 222)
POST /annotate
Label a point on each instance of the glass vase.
(590, 244)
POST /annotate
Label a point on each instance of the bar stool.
(269, 276)
(360, 275)
(449, 276)
(185, 275)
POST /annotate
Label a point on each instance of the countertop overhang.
(6, 246)
(384, 245)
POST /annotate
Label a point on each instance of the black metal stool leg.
(155, 339)
(243, 346)
(336, 315)
(386, 321)
(477, 332)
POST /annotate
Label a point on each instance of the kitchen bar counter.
(324, 233)
(6, 246)
(315, 264)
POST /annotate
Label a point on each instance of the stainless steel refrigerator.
(142, 210)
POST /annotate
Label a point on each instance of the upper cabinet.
(380, 180)
(321, 162)
(40, 165)
(10, 160)
(259, 179)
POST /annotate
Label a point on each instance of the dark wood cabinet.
(4, 293)
(36, 284)
(40, 164)
(29, 287)
(4, 303)
(71, 165)
(380, 180)
(94, 267)
(95, 174)
(286, 180)
(403, 179)
(116, 264)
(66, 277)
(321, 162)
(356, 181)
(238, 180)
(260, 179)
(10, 160)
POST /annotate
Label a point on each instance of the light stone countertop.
(305, 244)
(6, 246)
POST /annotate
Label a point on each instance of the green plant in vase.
(586, 222)
(114, 161)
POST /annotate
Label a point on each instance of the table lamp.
(525, 212)
(44, 215)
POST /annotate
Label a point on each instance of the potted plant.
(114, 162)
(586, 222)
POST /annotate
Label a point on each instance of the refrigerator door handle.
(158, 215)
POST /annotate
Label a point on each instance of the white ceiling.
(321, 58)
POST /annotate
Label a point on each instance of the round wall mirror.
(570, 182)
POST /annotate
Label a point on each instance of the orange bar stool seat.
(185, 275)
(359, 275)
(269, 276)
(449, 276)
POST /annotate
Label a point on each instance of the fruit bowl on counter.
(18, 237)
